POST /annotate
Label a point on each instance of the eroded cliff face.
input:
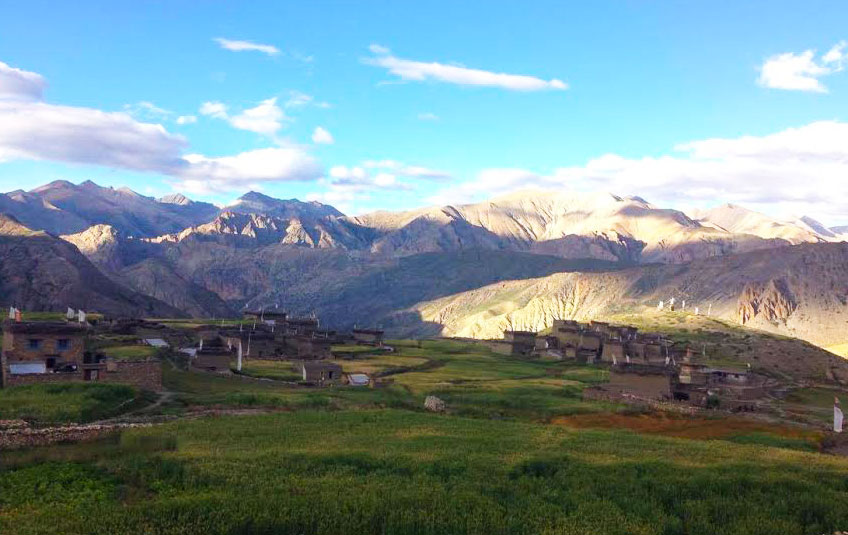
(772, 301)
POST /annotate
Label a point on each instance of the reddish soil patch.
(673, 425)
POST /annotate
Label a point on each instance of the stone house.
(214, 360)
(564, 324)
(321, 373)
(601, 327)
(41, 347)
(308, 347)
(262, 315)
(523, 343)
(259, 343)
(544, 342)
(372, 337)
(50, 352)
(644, 381)
(613, 350)
(301, 326)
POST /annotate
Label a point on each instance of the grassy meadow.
(398, 471)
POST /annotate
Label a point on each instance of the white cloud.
(385, 180)
(359, 179)
(240, 46)
(378, 49)
(836, 55)
(344, 173)
(17, 84)
(409, 171)
(214, 109)
(792, 172)
(322, 136)
(298, 99)
(247, 169)
(801, 72)
(266, 118)
(420, 71)
(186, 119)
(428, 116)
(147, 110)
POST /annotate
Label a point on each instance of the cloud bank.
(31, 129)
(797, 171)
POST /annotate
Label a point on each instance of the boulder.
(434, 404)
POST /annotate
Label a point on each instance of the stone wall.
(142, 374)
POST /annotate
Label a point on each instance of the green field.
(271, 369)
(66, 402)
(398, 472)
(518, 451)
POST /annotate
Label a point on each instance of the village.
(644, 368)
(70, 351)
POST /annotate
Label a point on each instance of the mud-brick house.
(214, 361)
(613, 351)
(321, 373)
(601, 327)
(627, 332)
(259, 343)
(523, 342)
(32, 348)
(308, 348)
(654, 353)
(50, 352)
(213, 357)
(641, 380)
(545, 342)
(373, 337)
(565, 324)
(265, 315)
(301, 326)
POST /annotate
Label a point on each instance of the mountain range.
(466, 269)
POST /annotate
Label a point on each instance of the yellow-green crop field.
(518, 452)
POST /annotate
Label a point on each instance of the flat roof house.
(368, 336)
(321, 373)
(49, 352)
(41, 348)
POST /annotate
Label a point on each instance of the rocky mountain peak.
(175, 198)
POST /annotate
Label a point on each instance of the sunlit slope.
(799, 293)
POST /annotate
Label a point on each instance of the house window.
(50, 362)
(34, 343)
(63, 344)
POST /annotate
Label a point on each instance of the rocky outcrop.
(771, 301)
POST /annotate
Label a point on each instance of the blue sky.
(643, 79)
